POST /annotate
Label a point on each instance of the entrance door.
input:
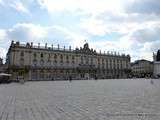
(86, 75)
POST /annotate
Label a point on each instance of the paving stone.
(81, 100)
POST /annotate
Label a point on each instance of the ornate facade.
(55, 63)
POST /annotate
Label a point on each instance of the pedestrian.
(152, 82)
(70, 79)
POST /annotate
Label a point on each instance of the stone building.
(142, 68)
(156, 59)
(1, 61)
(3, 67)
(55, 63)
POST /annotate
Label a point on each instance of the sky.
(125, 26)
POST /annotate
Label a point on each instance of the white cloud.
(3, 53)
(94, 26)
(143, 6)
(128, 44)
(84, 6)
(25, 32)
(1, 2)
(19, 6)
(137, 25)
(146, 52)
(2, 34)
(74, 38)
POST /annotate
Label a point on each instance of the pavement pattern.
(130, 99)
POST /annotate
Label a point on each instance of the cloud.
(1, 2)
(135, 45)
(2, 34)
(83, 6)
(3, 53)
(27, 32)
(127, 26)
(94, 26)
(142, 41)
(146, 32)
(146, 52)
(18, 5)
(143, 6)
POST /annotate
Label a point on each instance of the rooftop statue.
(86, 46)
(158, 55)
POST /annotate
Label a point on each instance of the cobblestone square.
(118, 99)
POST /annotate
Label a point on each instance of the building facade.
(156, 59)
(55, 63)
(142, 68)
(3, 67)
(1, 61)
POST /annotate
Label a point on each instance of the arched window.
(42, 62)
(22, 53)
(81, 59)
(98, 62)
(34, 62)
(35, 55)
(107, 64)
(87, 60)
(41, 55)
(67, 58)
(91, 61)
(61, 57)
(73, 58)
(55, 58)
(22, 61)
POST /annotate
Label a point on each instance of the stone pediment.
(86, 49)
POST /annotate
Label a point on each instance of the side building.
(142, 68)
(3, 67)
(156, 59)
(55, 63)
